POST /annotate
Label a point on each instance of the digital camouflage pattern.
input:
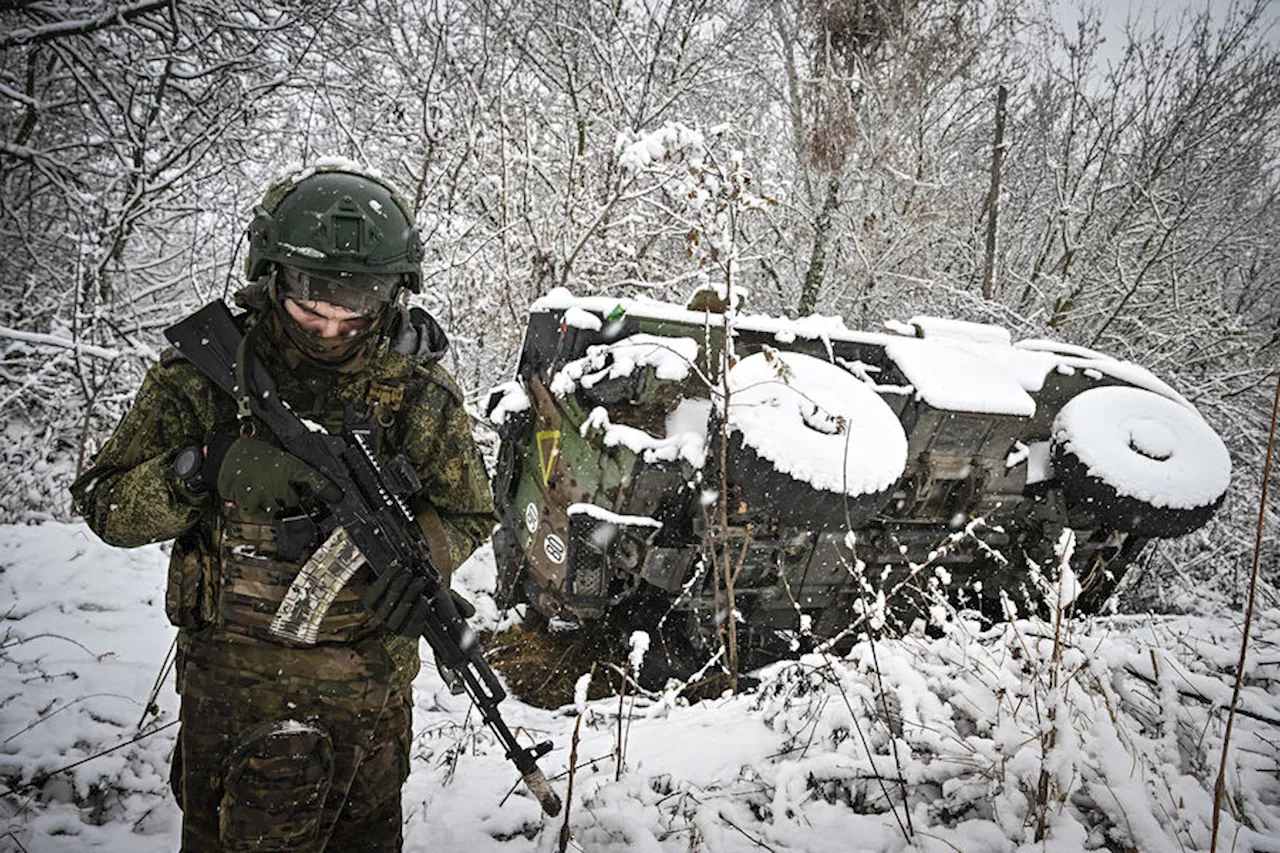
(350, 690)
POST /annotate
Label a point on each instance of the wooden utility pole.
(993, 197)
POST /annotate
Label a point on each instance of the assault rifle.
(367, 505)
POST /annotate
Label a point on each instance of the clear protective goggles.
(364, 293)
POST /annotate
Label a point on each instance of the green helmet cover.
(335, 219)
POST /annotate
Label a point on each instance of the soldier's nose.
(330, 328)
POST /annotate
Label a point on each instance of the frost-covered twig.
(906, 831)
(11, 639)
(949, 544)
(44, 718)
(1049, 739)
(568, 794)
(1220, 786)
(1184, 693)
(851, 539)
(756, 841)
(62, 343)
(38, 781)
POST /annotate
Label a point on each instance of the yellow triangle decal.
(548, 450)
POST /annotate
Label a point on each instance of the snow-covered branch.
(109, 16)
(62, 343)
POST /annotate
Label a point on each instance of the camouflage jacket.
(131, 495)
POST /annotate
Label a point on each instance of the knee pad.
(277, 778)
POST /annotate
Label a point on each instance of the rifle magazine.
(313, 591)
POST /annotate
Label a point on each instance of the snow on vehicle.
(867, 473)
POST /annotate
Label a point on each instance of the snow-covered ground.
(941, 744)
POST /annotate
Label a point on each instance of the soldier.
(287, 747)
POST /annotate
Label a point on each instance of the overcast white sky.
(1145, 13)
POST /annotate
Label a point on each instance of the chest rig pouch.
(260, 556)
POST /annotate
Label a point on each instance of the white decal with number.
(554, 546)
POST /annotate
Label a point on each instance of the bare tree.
(123, 135)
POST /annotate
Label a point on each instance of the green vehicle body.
(590, 528)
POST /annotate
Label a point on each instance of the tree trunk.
(818, 258)
(993, 197)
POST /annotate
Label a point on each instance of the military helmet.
(338, 222)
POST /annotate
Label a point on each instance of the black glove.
(396, 599)
(259, 477)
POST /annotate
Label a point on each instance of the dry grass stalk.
(1220, 786)
(568, 794)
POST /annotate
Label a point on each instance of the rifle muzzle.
(538, 785)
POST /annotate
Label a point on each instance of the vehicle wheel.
(1139, 462)
(809, 443)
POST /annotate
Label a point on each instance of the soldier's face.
(326, 320)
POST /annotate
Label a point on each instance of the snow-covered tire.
(1139, 462)
(793, 420)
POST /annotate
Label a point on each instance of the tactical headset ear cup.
(413, 249)
(263, 241)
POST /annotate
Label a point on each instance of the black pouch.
(183, 595)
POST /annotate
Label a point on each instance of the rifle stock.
(369, 506)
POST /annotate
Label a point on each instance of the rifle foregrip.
(538, 785)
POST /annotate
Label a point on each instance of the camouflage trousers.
(289, 763)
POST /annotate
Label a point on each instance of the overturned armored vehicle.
(866, 477)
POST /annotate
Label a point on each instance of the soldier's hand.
(396, 599)
(259, 477)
